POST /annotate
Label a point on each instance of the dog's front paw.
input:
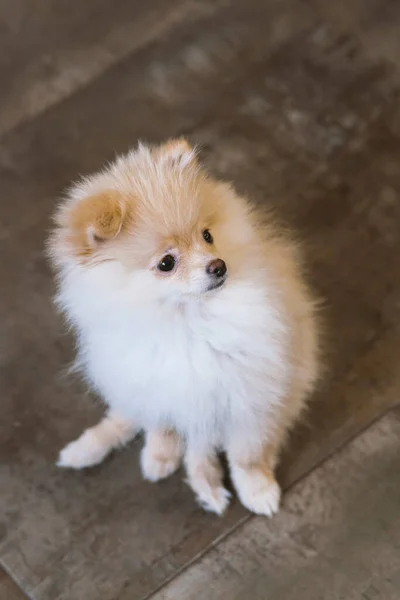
(155, 468)
(161, 456)
(88, 450)
(205, 477)
(215, 500)
(257, 492)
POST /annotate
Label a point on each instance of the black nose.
(217, 268)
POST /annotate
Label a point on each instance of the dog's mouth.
(216, 285)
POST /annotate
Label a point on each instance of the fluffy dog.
(193, 322)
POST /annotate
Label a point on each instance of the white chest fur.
(199, 367)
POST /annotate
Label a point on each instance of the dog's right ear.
(87, 225)
(98, 218)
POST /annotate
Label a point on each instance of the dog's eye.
(167, 263)
(207, 236)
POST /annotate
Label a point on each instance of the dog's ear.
(98, 218)
(177, 151)
(86, 225)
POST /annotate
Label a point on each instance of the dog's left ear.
(178, 151)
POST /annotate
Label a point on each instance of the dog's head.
(159, 219)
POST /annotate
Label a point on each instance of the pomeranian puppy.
(193, 323)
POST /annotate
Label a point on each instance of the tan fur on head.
(97, 219)
(85, 227)
(138, 196)
(175, 150)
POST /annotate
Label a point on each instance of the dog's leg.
(205, 477)
(252, 473)
(161, 455)
(96, 442)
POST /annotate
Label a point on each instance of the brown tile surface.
(374, 22)
(51, 48)
(336, 537)
(299, 116)
(8, 589)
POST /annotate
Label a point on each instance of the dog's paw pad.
(86, 451)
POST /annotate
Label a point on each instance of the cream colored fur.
(200, 368)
